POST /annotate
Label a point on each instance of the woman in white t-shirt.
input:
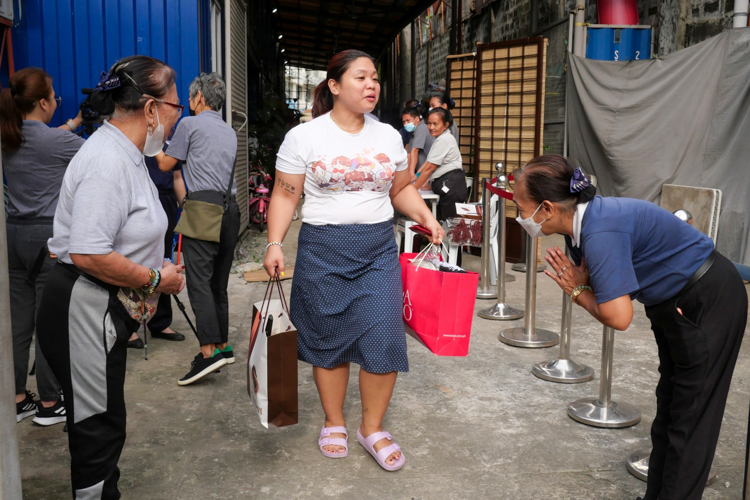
(347, 296)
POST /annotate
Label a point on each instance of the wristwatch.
(578, 291)
(70, 123)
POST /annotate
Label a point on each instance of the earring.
(150, 130)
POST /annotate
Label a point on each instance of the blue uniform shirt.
(636, 247)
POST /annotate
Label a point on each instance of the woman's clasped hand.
(565, 273)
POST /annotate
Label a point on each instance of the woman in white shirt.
(347, 295)
(443, 166)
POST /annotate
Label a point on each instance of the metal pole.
(638, 466)
(501, 310)
(529, 335)
(579, 39)
(10, 468)
(602, 411)
(484, 291)
(563, 369)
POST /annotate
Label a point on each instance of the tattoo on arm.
(285, 186)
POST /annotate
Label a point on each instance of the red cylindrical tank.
(617, 12)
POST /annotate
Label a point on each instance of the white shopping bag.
(272, 364)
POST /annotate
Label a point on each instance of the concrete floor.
(471, 428)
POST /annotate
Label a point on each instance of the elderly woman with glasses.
(208, 146)
(109, 243)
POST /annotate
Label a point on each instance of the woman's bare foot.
(391, 460)
(133, 337)
(333, 448)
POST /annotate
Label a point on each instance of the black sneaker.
(50, 416)
(228, 354)
(200, 367)
(26, 408)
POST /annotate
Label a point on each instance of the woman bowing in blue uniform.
(626, 249)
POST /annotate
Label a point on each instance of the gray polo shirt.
(207, 145)
(109, 203)
(445, 155)
(454, 132)
(35, 171)
(422, 140)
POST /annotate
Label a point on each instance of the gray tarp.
(681, 119)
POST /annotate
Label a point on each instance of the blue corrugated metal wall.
(75, 40)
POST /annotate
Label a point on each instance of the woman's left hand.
(436, 229)
(565, 274)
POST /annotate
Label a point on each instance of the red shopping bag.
(438, 307)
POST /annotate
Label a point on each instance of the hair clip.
(13, 90)
(579, 181)
(107, 81)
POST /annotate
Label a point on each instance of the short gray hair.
(213, 88)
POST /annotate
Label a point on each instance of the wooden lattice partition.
(461, 85)
(509, 106)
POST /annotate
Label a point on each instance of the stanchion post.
(501, 310)
(638, 466)
(602, 411)
(529, 335)
(563, 369)
(484, 291)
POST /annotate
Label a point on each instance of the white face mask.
(533, 228)
(155, 139)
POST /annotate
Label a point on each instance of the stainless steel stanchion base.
(591, 411)
(565, 371)
(521, 268)
(518, 337)
(638, 466)
(509, 278)
(500, 312)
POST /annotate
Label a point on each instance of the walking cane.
(176, 298)
(184, 312)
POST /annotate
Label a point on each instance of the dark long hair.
(139, 76)
(548, 178)
(322, 97)
(25, 88)
(444, 99)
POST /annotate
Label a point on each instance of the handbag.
(438, 306)
(203, 211)
(272, 361)
(139, 307)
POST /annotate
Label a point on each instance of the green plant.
(266, 131)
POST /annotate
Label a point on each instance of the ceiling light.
(282, 50)
(274, 11)
(281, 36)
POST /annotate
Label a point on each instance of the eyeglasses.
(178, 106)
(59, 100)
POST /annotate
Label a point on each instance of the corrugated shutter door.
(239, 102)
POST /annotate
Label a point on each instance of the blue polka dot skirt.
(347, 295)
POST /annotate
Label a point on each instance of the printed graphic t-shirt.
(347, 176)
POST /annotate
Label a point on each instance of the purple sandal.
(325, 440)
(382, 455)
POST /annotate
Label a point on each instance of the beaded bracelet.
(274, 243)
(578, 291)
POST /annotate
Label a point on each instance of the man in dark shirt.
(159, 326)
(420, 142)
